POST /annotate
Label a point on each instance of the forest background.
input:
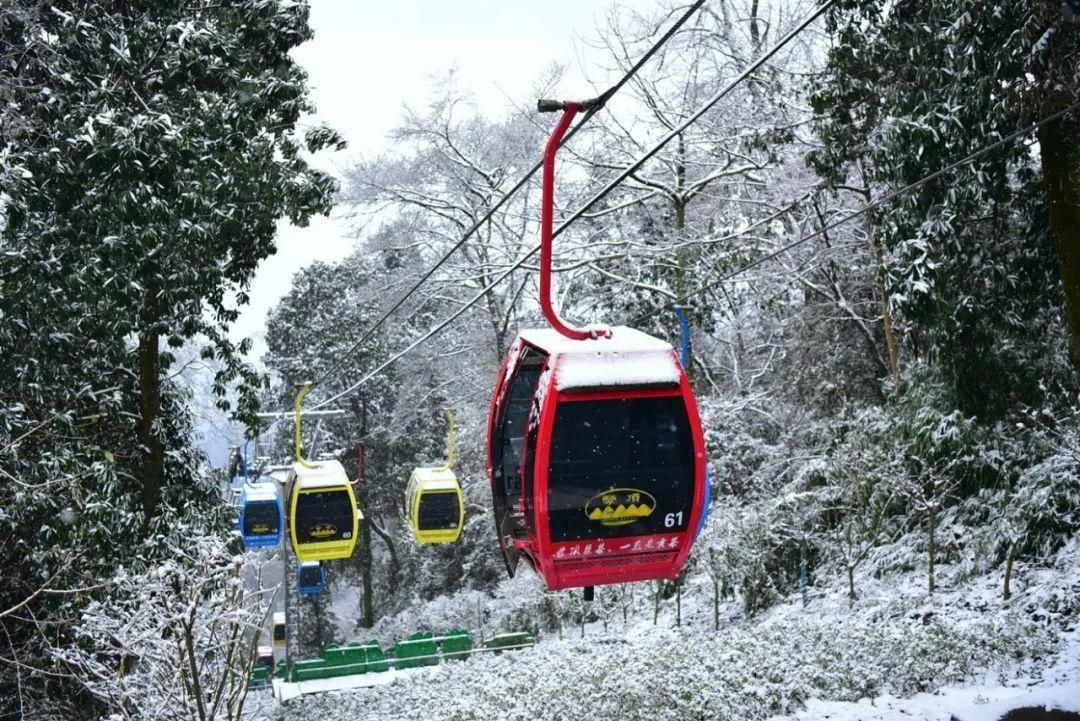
(894, 393)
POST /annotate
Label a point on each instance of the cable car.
(277, 630)
(595, 450)
(311, 578)
(262, 516)
(323, 517)
(264, 656)
(434, 505)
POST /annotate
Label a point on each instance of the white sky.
(367, 60)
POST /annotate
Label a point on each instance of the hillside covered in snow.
(837, 241)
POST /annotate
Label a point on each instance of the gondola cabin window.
(261, 518)
(277, 630)
(513, 422)
(323, 516)
(620, 467)
(438, 510)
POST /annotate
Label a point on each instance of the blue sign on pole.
(684, 356)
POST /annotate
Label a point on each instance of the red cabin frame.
(613, 559)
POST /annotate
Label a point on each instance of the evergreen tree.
(913, 86)
(147, 151)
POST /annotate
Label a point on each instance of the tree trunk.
(149, 408)
(678, 601)
(367, 614)
(656, 602)
(1006, 592)
(886, 321)
(716, 604)
(367, 611)
(932, 545)
(755, 31)
(395, 566)
(679, 204)
(1058, 143)
(803, 574)
(851, 585)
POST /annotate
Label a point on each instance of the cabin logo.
(261, 528)
(620, 506)
(323, 530)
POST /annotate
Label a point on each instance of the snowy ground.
(898, 654)
(1056, 687)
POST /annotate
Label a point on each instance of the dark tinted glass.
(438, 511)
(310, 575)
(261, 518)
(323, 516)
(279, 632)
(519, 401)
(620, 468)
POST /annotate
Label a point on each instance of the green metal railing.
(420, 649)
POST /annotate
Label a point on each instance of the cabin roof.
(437, 478)
(326, 474)
(261, 492)
(628, 358)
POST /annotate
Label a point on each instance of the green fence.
(510, 640)
(456, 644)
(260, 675)
(420, 649)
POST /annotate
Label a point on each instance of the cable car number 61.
(673, 519)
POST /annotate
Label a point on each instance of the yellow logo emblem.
(324, 530)
(261, 528)
(620, 506)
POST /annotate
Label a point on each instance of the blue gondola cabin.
(262, 517)
(311, 578)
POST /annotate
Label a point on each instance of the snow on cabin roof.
(628, 358)
(325, 474)
(436, 479)
(261, 492)
(622, 340)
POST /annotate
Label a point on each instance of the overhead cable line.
(847, 218)
(595, 107)
(884, 200)
(627, 172)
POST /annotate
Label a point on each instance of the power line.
(884, 200)
(627, 172)
(681, 128)
(593, 110)
(851, 216)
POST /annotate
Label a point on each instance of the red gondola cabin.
(596, 458)
(595, 451)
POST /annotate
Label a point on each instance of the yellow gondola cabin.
(324, 521)
(433, 501)
(435, 506)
